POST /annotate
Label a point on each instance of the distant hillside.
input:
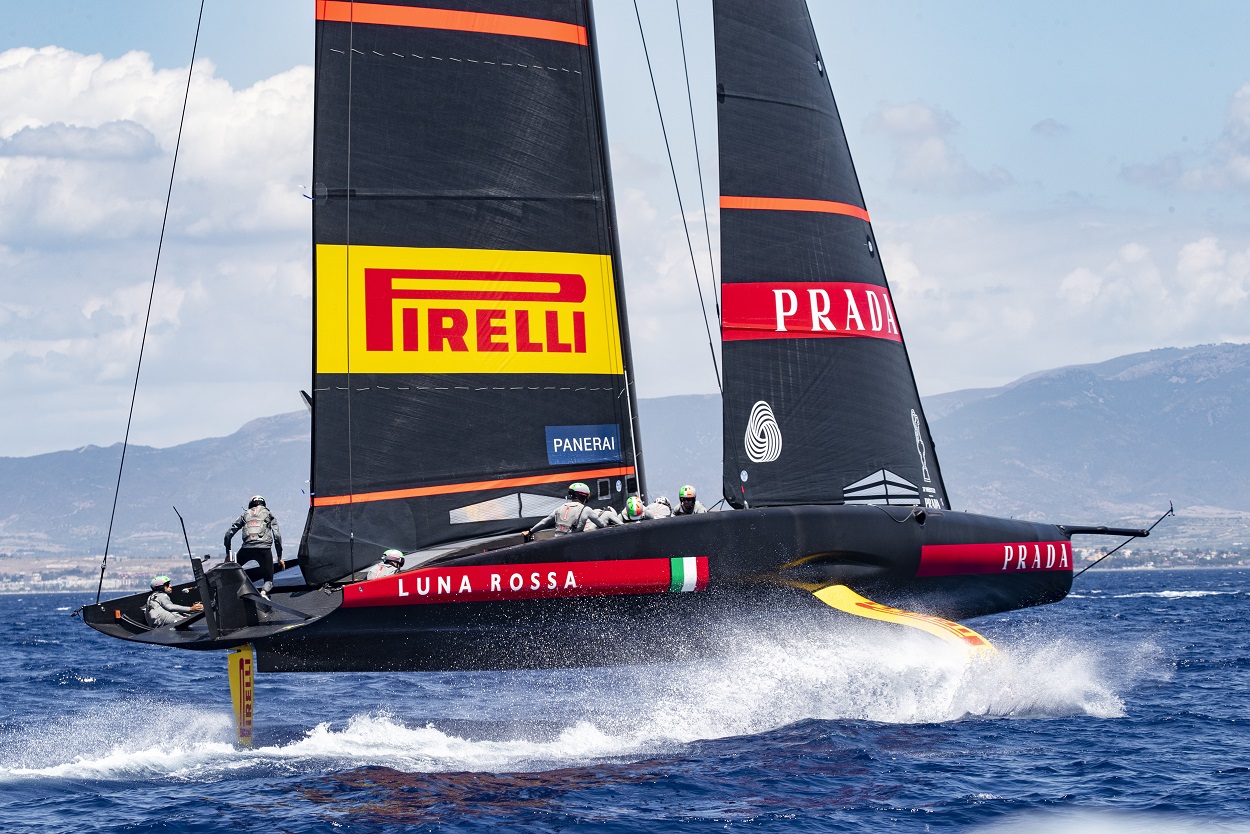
(1107, 443)
(59, 503)
(1117, 439)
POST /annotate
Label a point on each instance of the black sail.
(470, 347)
(820, 403)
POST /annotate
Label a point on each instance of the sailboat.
(472, 359)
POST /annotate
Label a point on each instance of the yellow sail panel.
(397, 310)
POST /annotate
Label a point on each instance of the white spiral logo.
(763, 438)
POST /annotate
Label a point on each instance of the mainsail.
(471, 350)
(820, 404)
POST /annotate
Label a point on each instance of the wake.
(768, 681)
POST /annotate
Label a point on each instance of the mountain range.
(1109, 443)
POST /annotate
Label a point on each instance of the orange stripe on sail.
(344, 11)
(788, 204)
(475, 486)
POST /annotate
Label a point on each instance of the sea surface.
(1123, 708)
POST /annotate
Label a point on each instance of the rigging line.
(680, 205)
(1171, 511)
(698, 164)
(108, 539)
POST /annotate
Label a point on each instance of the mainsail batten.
(468, 309)
(818, 387)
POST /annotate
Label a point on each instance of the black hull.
(756, 561)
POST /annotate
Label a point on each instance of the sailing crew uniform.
(608, 516)
(570, 517)
(659, 510)
(698, 508)
(260, 534)
(380, 570)
(162, 611)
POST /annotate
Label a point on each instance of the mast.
(630, 384)
(820, 403)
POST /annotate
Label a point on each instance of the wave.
(548, 720)
(1155, 595)
(1102, 821)
(1175, 594)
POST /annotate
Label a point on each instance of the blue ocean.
(1123, 708)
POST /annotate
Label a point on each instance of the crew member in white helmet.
(689, 504)
(570, 517)
(392, 561)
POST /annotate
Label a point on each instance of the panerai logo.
(763, 435)
(583, 444)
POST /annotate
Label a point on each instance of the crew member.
(260, 534)
(662, 508)
(689, 504)
(571, 516)
(392, 561)
(160, 609)
(609, 516)
(635, 510)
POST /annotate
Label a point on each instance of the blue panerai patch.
(583, 444)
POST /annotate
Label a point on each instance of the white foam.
(771, 681)
(1175, 594)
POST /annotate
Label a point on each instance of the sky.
(1050, 184)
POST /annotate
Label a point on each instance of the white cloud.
(85, 151)
(1049, 128)
(1224, 165)
(985, 298)
(925, 158)
(119, 140)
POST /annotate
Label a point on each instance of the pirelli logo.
(395, 310)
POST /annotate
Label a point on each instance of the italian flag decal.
(688, 574)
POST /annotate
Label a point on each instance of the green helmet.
(393, 557)
(633, 508)
(160, 581)
(579, 491)
(685, 492)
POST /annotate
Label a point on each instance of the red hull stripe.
(999, 557)
(495, 583)
(344, 11)
(807, 310)
(789, 204)
(475, 486)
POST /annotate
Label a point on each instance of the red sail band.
(790, 204)
(807, 310)
(474, 486)
(344, 11)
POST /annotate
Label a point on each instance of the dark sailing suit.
(570, 517)
(260, 536)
